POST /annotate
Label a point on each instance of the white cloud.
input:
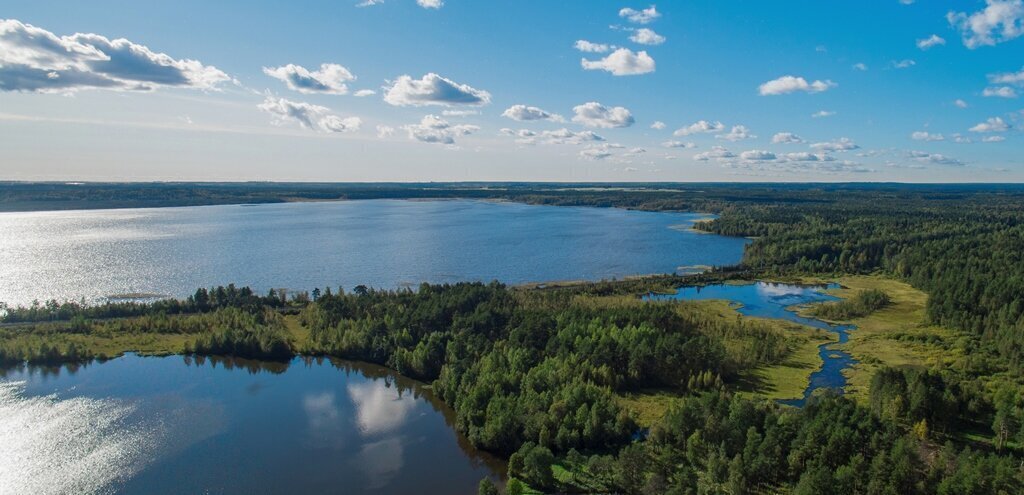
(384, 131)
(644, 16)
(369, 3)
(309, 116)
(678, 144)
(699, 127)
(34, 59)
(433, 89)
(594, 114)
(803, 156)
(600, 151)
(993, 124)
(757, 155)
(1008, 78)
(718, 153)
(459, 113)
(1000, 92)
(589, 47)
(524, 113)
(926, 136)
(960, 139)
(738, 132)
(790, 84)
(960, 103)
(430, 4)
(934, 158)
(364, 92)
(622, 62)
(861, 66)
(329, 79)
(434, 129)
(841, 144)
(646, 36)
(558, 136)
(903, 64)
(933, 40)
(993, 139)
(822, 113)
(658, 125)
(786, 138)
(999, 21)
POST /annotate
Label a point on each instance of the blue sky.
(746, 91)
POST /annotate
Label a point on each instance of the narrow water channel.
(780, 301)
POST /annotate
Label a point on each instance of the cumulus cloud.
(841, 144)
(993, 139)
(314, 117)
(738, 132)
(525, 113)
(329, 79)
(791, 84)
(993, 124)
(369, 3)
(903, 64)
(960, 139)
(646, 36)
(589, 47)
(960, 103)
(36, 60)
(384, 131)
(700, 127)
(594, 114)
(600, 151)
(678, 144)
(861, 66)
(999, 21)
(757, 155)
(430, 4)
(803, 156)
(622, 62)
(786, 138)
(364, 92)
(433, 89)
(822, 113)
(434, 129)
(658, 125)
(717, 153)
(1008, 78)
(644, 16)
(926, 136)
(933, 158)
(999, 92)
(933, 40)
(558, 136)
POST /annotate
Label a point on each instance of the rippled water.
(772, 300)
(174, 425)
(95, 254)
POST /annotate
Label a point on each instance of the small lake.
(187, 425)
(774, 300)
(98, 254)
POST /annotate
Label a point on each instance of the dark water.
(771, 300)
(173, 425)
(96, 254)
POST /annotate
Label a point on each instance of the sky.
(520, 90)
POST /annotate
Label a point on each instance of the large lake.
(97, 254)
(174, 425)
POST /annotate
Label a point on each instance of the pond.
(191, 425)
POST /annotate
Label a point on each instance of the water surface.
(173, 425)
(97, 254)
(774, 300)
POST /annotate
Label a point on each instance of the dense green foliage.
(861, 304)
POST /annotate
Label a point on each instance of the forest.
(538, 375)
